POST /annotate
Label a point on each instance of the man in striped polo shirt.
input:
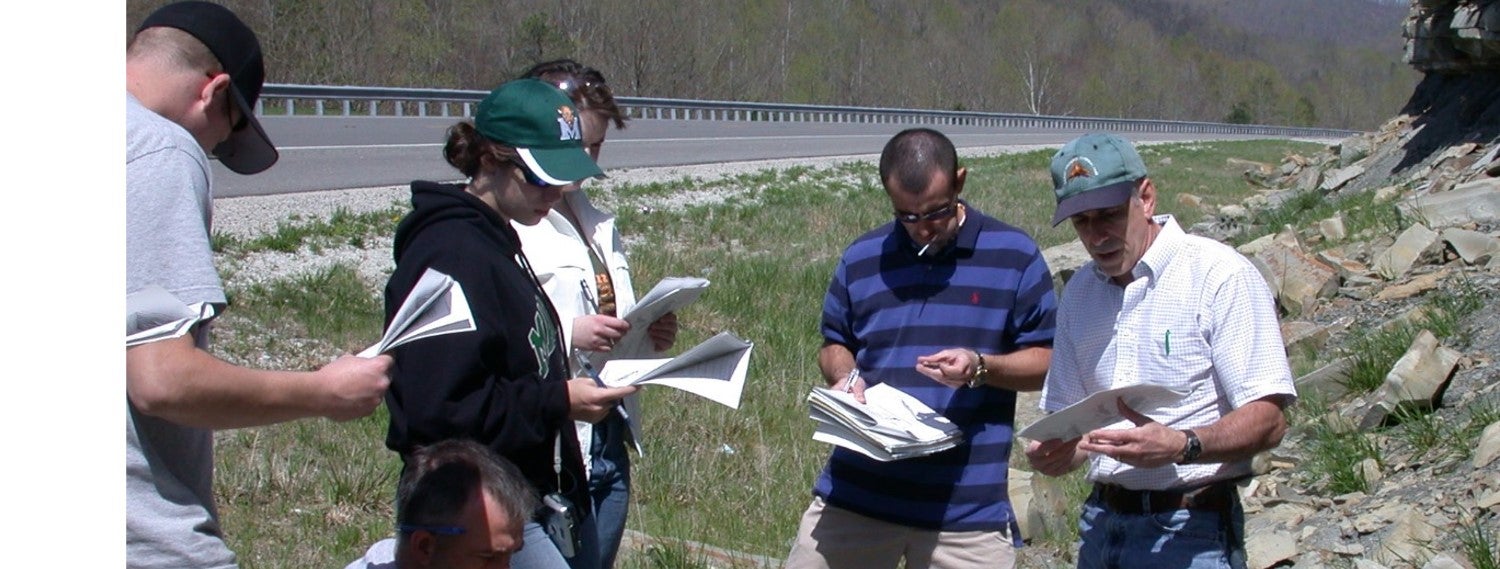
(956, 309)
(1159, 306)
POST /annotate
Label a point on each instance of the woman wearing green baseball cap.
(505, 385)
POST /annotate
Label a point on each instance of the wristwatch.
(980, 372)
(1192, 448)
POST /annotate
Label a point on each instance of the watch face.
(1193, 449)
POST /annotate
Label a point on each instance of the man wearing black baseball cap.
(192, 74)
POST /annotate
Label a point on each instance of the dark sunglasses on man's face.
(938, 214)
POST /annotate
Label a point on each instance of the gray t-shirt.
(170, 519)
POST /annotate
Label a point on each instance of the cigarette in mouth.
(923, 251)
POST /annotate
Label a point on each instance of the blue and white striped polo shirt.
(990, 291)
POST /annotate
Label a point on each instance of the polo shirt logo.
(567, 124)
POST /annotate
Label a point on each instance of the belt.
(1216, 497)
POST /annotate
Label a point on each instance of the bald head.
(910, 159)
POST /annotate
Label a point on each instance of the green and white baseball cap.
(1095, 171)
(541, 123)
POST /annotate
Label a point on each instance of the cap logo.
(1080, 166)
(567, 124)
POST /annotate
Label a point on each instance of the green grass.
(1374, 352)
(1335, 450)
(1480, 546)
(341, 228)
(1362, 215)
(316, 493)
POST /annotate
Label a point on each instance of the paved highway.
(325, 153)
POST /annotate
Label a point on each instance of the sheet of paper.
(714, 370)
(153, 314)
(669, 295)
(435, 306)
(1099, 410)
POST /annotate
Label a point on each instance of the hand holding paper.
(669, 295)
(714, 370)
(435, 306)
(152, 314)
(1099, 410)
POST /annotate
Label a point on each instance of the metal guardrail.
(321, 100)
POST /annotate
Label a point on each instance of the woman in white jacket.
(577, 255)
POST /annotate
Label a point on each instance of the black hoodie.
(504, 384)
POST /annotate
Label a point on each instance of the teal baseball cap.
(541, 123)
(1095, 171)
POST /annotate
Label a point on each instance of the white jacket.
(560, 257)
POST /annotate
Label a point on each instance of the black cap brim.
(247, 150)
(1097, 198)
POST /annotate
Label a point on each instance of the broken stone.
(1408, 535)
(1369, 469)
(1477, 201)
(1442, 561)
(1387, 193)
(1190, 200)
(1489, 445)
(1256, 246)
(1298, 279)
(1473, 247)
(1064, 260)
(1234, 211)
(1353, 149)
(1327, 382)
(1415, 381)
(1412, 287)
(1332, 228)
(1409, 247)
(1337, 178)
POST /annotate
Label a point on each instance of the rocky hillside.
(1384, 253)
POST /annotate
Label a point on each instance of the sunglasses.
(439, 530)
(938, 214)
(532, 178)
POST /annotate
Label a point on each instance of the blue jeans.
(1196, 539)
(540, 553)
(609, 484)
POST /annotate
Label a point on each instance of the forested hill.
(1332, 63)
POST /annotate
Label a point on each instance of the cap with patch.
(247, 150)
(541, 123)
(1094, 171)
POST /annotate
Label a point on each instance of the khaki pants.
(834, 538)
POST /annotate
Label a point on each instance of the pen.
(588, 369)
(588, 295)
(850, 379)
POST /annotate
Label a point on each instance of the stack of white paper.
(153, 314)
(435, 306)
(890, 425)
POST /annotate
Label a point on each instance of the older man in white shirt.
(1156, 305)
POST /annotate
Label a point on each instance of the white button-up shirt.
(1198, 318)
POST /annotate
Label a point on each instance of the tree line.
(1165, 59)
